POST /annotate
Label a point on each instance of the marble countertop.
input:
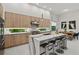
(27, 30)
(46, 37)
(7, 32)
(15, 33)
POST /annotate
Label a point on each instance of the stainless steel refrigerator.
(1, 36)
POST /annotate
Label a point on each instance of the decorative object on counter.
(53, 28)
(72, 24)
(35, 23)
(63, 25)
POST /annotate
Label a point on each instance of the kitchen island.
(36, 40)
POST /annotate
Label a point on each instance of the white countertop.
(27, 30)
(46, 37)
(7, 32)
(15, 33)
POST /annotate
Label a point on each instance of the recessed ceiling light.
(50, 8)
(65, 10)
(37, 3)
(44, 6)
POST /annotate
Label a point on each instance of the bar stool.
(64, 41)
(53, 47)
(59, 50)
(45, 45)
(75, 35)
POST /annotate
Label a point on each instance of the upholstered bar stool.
(64, 42)
(53, 47)
(59, 50)
(75, 35)
(45, 45)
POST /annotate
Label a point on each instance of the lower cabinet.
(20, 39)
(9, 41)
(14, 40)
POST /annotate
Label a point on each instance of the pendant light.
(42, 17)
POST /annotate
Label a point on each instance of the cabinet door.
(9, 41)
(23, 21)
(14, 40)
(24, 38)
(1, 10)
(15, 20)
(17, 39)
(20, 39)
(27, 21)
(47, 23)
(9, 20)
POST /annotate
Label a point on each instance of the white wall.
(55, 18)
(68, 17)
(26, 9)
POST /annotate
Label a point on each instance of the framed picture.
(63, 25)
(72, 24)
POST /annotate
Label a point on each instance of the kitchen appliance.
(1, 36)
(34, 26)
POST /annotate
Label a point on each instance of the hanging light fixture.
(42, 17)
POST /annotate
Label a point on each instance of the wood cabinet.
(44, 23)
(9, 20)
(14, 40)
(24, 38)
(9, 41)
(16, 20)
(23, 21)
(20, 39)
(1, 10)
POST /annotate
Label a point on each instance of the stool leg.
(64, 44)
(59, 49)
(46, 50)
(53, 53)
(77, 37)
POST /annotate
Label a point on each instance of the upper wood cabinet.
(44, 23)
(1, 10)
(9, 20)
(23, 21)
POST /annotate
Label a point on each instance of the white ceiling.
(56, 8)
(26, 9)
(59, 8)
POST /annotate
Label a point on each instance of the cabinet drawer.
(9, 41)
